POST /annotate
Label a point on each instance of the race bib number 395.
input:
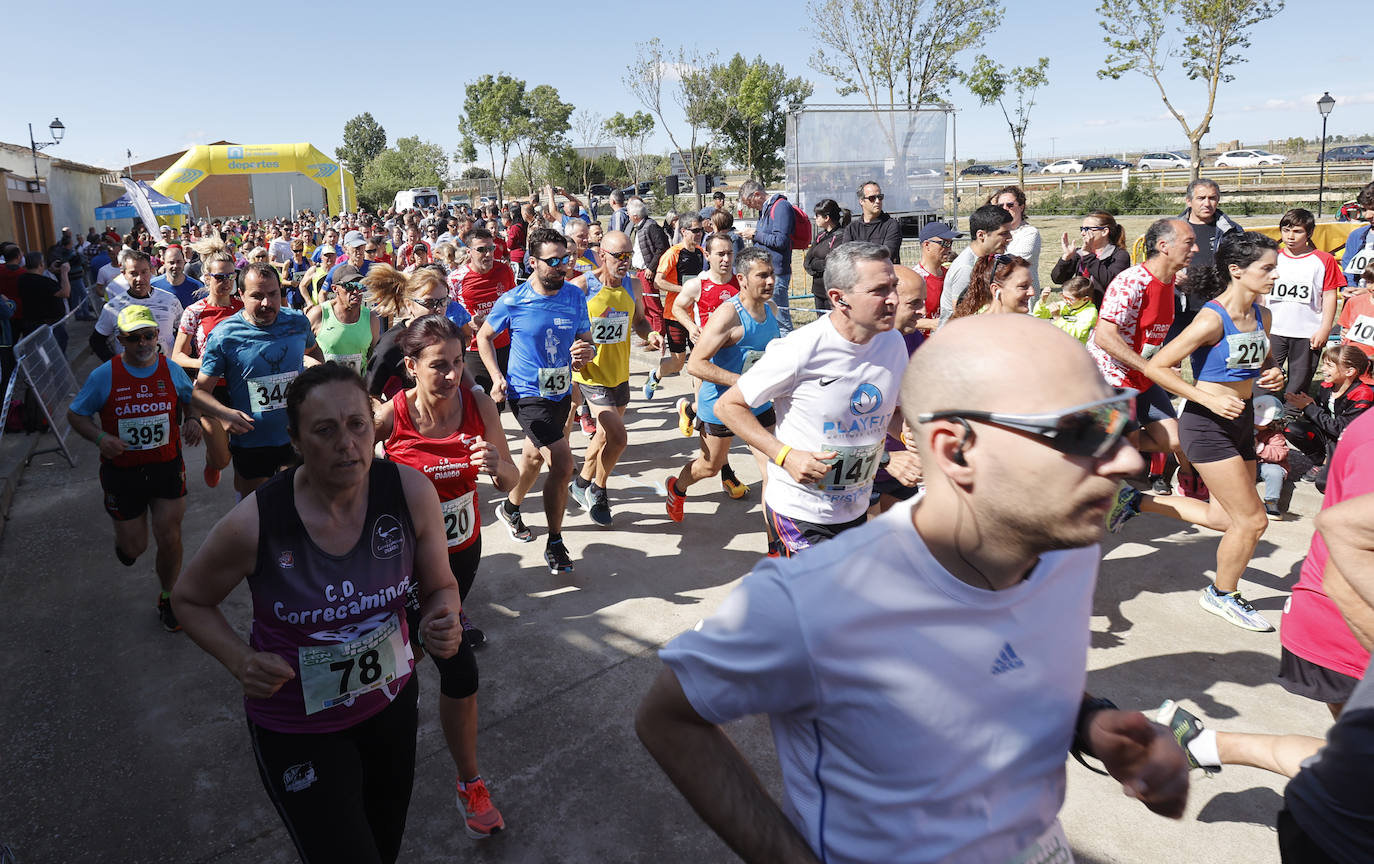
(336, 674)
(268, 393)
(144, 433)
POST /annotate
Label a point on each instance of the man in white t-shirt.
(833, 385)
(924, 674)
(1303, 301)
(138, 273)
(110, 278)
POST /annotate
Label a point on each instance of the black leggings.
(1296, 846)
(1302, 361)
(457, 674)
(343, 795)
(473, 361)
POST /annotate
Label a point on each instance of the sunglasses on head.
(1092, 430)
(555, 262)
(433, 304)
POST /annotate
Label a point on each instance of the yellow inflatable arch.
(204, 160)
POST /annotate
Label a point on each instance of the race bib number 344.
(336, 674)
(269, 392)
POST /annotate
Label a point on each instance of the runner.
(401, 299)
(174, 279)
(550, 339)
(1229, 347)
(259, 351)
(613, 310)
(329, 550)
(197, 322)
(675, 267)
(129, 408)
(477, 284)
(735, 337)
(137, 269)
(345, 328)
(439, 428)
(834, 385)
(912, 303)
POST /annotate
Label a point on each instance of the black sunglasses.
(1092, 430)
(872, 198)
(220, 277)
(139, 336)
(483, 250)
(433, 304)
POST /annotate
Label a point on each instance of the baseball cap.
(1266, 409)
(353, 239)
(135, 317)
(939, 231)
(326, 249)
(345, 274)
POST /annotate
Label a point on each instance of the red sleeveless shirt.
(447, 463)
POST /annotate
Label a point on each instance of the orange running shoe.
(482, 818)
(675, 500)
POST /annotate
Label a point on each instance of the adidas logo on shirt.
(1006, 660)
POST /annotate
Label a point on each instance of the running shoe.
(1233, 608)
(1191, 486)
(1312, 474)
(601, 507)
(730, 483)
(482, 819)
(472, 634)
(675, 500)
(584, 419)
(515, 524)
(1126, 507)
(581, 494)
(1160, 486)
(211, 476)
(1185, 728)
(650, 386)
(557, 557)
(166, 616)
(1271, 509)
(686, 417)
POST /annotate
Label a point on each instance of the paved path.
(124, 743)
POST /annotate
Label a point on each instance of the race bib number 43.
(555, 381)
(336, 674)
(144, 433)
(269, 392)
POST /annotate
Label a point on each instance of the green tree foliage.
(747, 110)
(1210, 37)
(629, 134)
(410, 163)
(990, 82)
(542, 128)
(363, 139)
(657, 75)
(494, 111)
(475, 172)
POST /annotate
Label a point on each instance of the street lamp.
(57, 130)
(1324, 105)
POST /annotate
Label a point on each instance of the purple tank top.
(338, 620)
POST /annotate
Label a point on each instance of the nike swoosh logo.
(826, 382)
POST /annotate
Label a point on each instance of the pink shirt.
(1312, 626)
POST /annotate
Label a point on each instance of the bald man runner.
(960, 760)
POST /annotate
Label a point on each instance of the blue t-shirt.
(258, 363)
(96, 391)
(542, 332)
(185, 292)
(315, 256)
(457, 313)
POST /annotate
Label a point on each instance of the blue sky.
(280, 73)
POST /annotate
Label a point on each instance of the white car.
(1064, 166)
(1162, 161)
(1249, 159)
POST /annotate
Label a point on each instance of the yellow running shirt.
(611, 310)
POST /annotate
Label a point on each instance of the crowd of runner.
(351, 373)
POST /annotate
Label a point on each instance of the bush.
(1135, 198)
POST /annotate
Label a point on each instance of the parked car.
(1348, 153)
(600, 189)
(1032, 166)
(982, 169)
(1162, 161)
(641, 190)
(1063, 166)
(1249, 159)
(1104, 163)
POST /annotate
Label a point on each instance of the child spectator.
(1357, 315)
(1272, 448)
(1076, 315)
(1343, 397)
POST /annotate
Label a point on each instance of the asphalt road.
(125, 743)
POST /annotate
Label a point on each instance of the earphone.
(840, 301)
(957, 457)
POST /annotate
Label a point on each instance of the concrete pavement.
(124, 743)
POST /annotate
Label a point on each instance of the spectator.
(773, 231)
(875, 226)
(1076, 315)
(937, 239)
(1271, 448)
(1025, 237)
(830, 225)
(1102, 257)
(1210, 225)
(1343, 396)
(989, 229)
(1359, 245)
(41, 294)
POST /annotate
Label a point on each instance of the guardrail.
(1230, 179)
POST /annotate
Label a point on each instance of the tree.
(541, 129)
(898, 54)
(493, 114)
(590, 130)
(410, 163)
(989, 81)
(688, 76)
(475, 172)
(1213, 34)
(748, 113)
(363, 139)
(629, 133)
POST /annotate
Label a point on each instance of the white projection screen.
(831, 150)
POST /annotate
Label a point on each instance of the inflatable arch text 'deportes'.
(204, 160)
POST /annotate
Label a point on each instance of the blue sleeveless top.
(738, 357)
(1239, 356)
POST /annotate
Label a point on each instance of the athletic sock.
(581, 482)
(511, 509)
(124, 559)
(1204, 749)
(595, 489)
(554, 538)
(728, 473)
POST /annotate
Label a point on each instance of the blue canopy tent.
(123, 206)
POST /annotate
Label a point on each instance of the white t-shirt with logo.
(164, 305)
(1295, 304)
(829, 394)
(916, 718)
